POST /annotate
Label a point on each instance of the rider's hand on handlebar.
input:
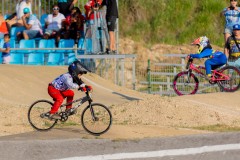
(188, 57)
(86, 88)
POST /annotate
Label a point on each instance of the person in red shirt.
(90, 6)
(3, 27)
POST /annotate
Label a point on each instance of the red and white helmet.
(202, 42)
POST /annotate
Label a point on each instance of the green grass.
(218, 128)
(172, 22)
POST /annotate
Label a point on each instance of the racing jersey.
(208, 53)
(65, 82)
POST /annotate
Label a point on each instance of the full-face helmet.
(76, 68)
(202, 42)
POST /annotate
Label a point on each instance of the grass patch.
(218, 128)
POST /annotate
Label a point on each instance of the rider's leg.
(69, 94)
(57, 97)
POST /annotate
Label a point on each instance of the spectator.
(232, 16)
(32, 24)
(3, 27)
(74, 25)
(6, 49)
(65, 6)
(232, 49)
(54, 22)
(16, 18)
(111, 17)
(90, 6)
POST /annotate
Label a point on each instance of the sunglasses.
(55, 8)
(25, 13)
(233, 0)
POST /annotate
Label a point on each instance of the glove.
(86, 88)
(89, 88)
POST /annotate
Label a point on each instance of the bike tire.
(234, 83)
(104, 119)
(36, 121)
(182, 87)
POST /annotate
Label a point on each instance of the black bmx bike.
(96, 118)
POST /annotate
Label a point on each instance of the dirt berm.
(135, 115)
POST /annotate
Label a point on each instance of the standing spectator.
(65, 6)
(53, 24)
(6, 49)
(32, 24)
(111, 17)
(232, 16)
(232, 48)
(90, 7)
(3, 27)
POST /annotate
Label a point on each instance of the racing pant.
(58, 97)
(215, 61)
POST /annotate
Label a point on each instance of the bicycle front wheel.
(36, 116)
(96, 119)
(233, 83)
(184, 84)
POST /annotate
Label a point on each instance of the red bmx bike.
(186, 82)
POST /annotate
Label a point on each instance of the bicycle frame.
(216, 76)
(80, 100)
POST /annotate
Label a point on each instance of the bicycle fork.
(94, 118)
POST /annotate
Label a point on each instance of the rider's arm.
(203, 54)
(69, 82)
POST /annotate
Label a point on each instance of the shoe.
(52, 116)
(70, 112)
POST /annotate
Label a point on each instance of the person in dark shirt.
(111, 17)
(65, 6)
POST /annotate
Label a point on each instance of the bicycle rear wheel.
(36, 116)
(96, 119)
(184, 84)
(234, 83)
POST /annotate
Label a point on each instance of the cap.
(26, 10)
(236, 27)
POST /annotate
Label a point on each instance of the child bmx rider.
(215, 58)
(60, 88)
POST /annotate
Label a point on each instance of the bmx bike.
(227, 77)
(96, 118)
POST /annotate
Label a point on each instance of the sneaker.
(70, 112)
(52, 116)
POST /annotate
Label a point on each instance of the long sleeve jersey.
(207, 53)
(65, 82)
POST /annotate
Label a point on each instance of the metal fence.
(159, 76)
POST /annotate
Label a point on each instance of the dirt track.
(136, 115)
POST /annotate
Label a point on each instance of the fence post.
(122, 73)
(183, 63)
(134, 73)
(149, 76)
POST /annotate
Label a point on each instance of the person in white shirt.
(53, 23)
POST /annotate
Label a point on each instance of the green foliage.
(172, 22)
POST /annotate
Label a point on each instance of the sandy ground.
(135, 115)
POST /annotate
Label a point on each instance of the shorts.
(50, 31)
(228, 30)
(33, 33)
(111, 23)
(235, 63)
(6, 59)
